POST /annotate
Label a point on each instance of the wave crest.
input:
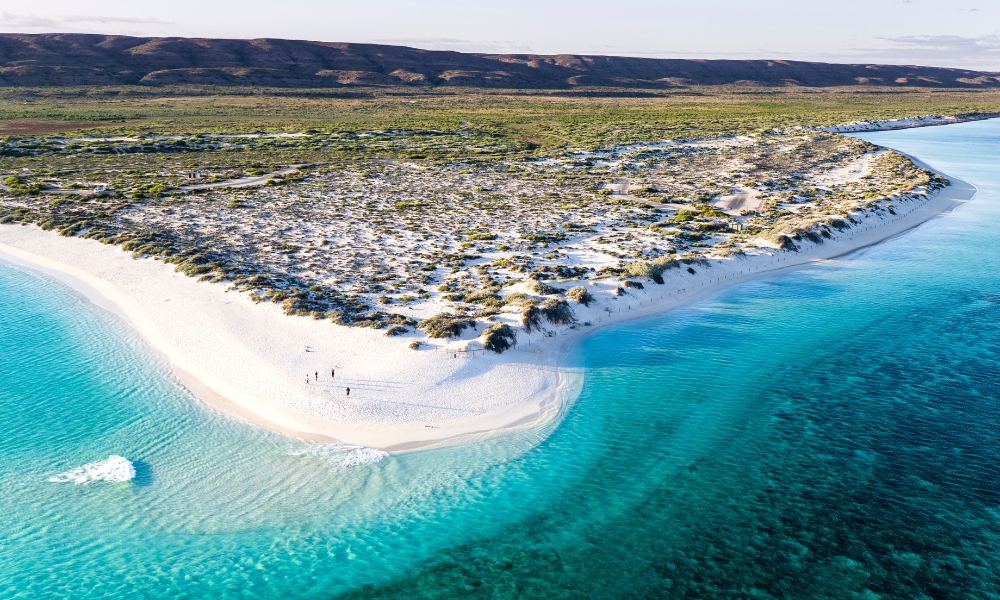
(115, 468)
(344, 455)
(363, 456)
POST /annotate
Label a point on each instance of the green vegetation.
(580, 295)
(520, 122)
(531, 316)
(557, 311)
(651, 269)
(367, 199)
(395, 330)
(544, 289)
(499, 337)
(446, 325)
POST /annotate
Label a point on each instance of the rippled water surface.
(828, 433)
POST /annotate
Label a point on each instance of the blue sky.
(961, 33)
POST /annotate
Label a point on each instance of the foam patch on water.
(344, 455)
(363, 456)
(115, 468)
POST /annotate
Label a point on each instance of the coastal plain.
(437, 258)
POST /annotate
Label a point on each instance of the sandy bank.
(908, 123)
(251, 361)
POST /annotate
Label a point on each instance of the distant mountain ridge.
(62, 59)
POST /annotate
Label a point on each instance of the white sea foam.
(344, 455)
(114, 468)
(363, 456)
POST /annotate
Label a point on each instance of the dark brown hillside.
(82, 59)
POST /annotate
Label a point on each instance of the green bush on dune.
(557, 311)
(499, 337)
(445, 325)
(651, 269)
(531, 317)
(545, 289)
(580, 295)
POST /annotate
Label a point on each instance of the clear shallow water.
(827, 433)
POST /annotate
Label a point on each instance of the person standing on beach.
(333, 374)
(348, 391)
(307, 378)
(317, 375)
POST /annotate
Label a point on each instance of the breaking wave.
(114, 468)
(344, 455)
(363, 456)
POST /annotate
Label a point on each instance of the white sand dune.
(743, 199)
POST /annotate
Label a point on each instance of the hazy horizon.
(919, 32)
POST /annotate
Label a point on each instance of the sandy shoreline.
(910, 123)
(250, 361)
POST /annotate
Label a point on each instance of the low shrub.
(557, 311)
(489, 313)
(515, 299)
(580, 295)
(839, 223)
(395, 330)
(651, 268)
(633, 284)
(684, 215)
(531, 317)
(785, 243)
(499, 337)
(545, 289)
(485, 297)
(813, 237)
(544, 238)
(445, 325)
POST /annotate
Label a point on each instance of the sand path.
(240, 183)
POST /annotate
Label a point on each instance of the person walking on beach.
(333, 374)
(348, 391)
(307, 378)
(317, 375)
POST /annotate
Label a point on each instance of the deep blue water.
(828, 433)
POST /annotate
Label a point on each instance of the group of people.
(333, 375)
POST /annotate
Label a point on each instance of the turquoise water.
(827, 433)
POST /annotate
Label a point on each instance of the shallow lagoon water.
(831, 432)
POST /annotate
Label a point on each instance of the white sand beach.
(251, 361)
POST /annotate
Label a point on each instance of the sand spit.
(251, 361)
(909, 123)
